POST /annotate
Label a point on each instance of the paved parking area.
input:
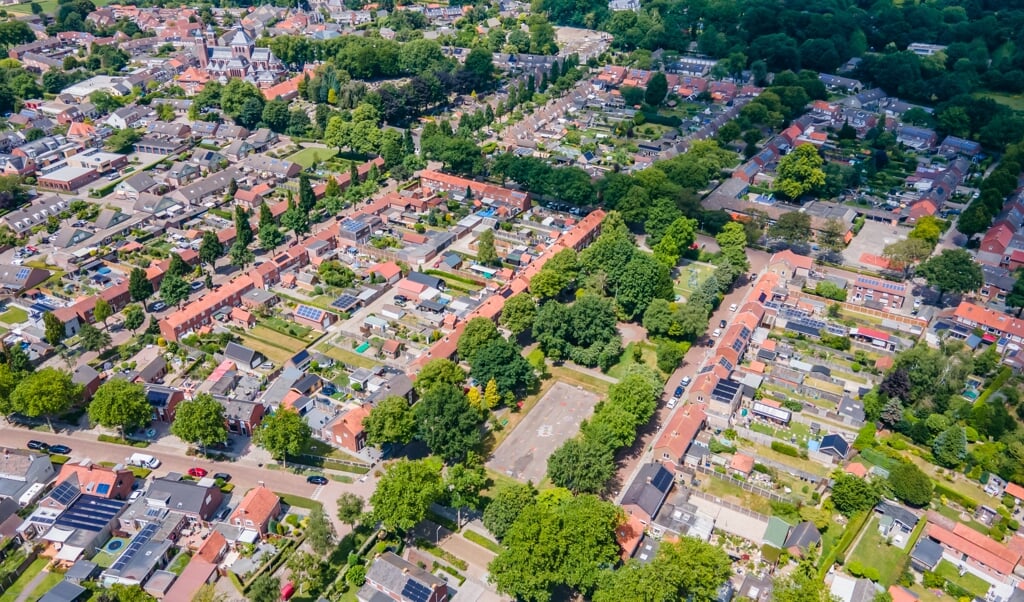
(555, 418)
(873, 237)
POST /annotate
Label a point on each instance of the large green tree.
(581, 465)
(174, 289)
(503, 362)
(405, 492)
(952, 271)
(92, 338)
(475, 335)
(46, 392)
(792, 227)
(905, 254)
(200, 421)
(911, 485)
(283, 433)
(851, 494)
(390, 421)
(447, 423)
(120, 404)
(800, 172)
(518, 313)
(688, 569)
(439, 371)
(139, 286)
(54, 329)
(505, 507)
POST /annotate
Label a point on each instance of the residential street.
(246, 472)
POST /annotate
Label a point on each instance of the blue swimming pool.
(103, 270)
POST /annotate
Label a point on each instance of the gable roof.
(259, 505)
(241, 353)
(803, 536)
(395, 574)
(649, 489)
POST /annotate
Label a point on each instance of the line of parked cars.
(62, 450)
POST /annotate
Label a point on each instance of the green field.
(874, 552)
(307, 156)
(49, 6)
(650, 359)
(691, 274)
(970, 582)
(14, 315)
(30, 573)
(1014, 101)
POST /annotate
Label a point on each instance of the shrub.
(785, 449)
(356, 575)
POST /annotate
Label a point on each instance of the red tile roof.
(259, 505)
(1014, 490)
(976, 546)
(972, 314)
(681, 431)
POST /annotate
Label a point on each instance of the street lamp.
(437, 536)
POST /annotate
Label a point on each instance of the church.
(238, 56)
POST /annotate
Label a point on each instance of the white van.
(143, 460)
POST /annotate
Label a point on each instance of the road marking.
(316, 492)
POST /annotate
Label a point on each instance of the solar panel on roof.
(64, 493)
(415, 591)
(310, 313)
(23, 273)
(345, 301)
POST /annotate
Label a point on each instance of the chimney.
(405, 570)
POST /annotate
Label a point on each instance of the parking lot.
(873, 237)
(555, 419)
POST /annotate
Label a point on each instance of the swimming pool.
(103, 270)
(363, 347)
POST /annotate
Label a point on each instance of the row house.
(201, 311)
(878, 293)
(995, 325)
(516, 201)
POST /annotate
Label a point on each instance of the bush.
(356, 575)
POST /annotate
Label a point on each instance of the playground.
(689, 276)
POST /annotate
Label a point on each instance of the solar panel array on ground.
(90, 513)
(141, 538)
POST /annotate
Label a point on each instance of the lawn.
(650, 358)
(307, 156)
(287, 328)
(272, 351)
(178, 564)
(30, 573)
(970, 582)
(734, 493)
(347, 356)
(874, 552)
(14, 315)
(1014, 101)
(691, 275)
(50, 580)
(49, 6)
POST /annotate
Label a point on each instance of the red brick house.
(347, 431)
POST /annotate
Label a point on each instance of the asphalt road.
(246, 472)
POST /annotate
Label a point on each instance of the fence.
(771, 495)
(729, 505)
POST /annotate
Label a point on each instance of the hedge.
(442, 554)
(299, 501)
(997, 383)
(120, 441)
(785, 449)
(942, 490)
(853, 527)
(482, 541)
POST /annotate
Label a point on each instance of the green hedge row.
(997, 383)
(942, 490)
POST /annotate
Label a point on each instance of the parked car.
(222, 476)
(62, 450)
(721, 324)
(316, 479)
(197, 472)
(196, 285)
(685, 382)
(671, 403)
(39, 445)
(678, 392)
(717, 333)
(158, 306)
(733, 307)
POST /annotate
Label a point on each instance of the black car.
(60, 449)
(222, 476)
(33, 444)
(722, 324)
(316, 479)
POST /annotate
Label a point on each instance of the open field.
(307, 156)
(969, 581)
(14, 315)
(691, 274)
(874, 552)
(274, 353)
(557, 417)
(650, 359)
(49, 6)
(1014, 101)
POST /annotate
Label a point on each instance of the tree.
(657, 88)
(282, 433)
(92, 338)
(950, 446)
(832, 237)
(391, 421)
(800, 172)
(319, 534)
(910, 484)
(447, 423)
(120, 404)
(210, 248)
(139, 286)
(953, 270)
(45, 393)
(477, 333)
(121, 141)
(485, 252)
(307, 199)
(405, 492)
(518, 314)
(266, 587)
(792, 227)
(102, 311)
(904, 254)
(295, 220)
(350, 508)
(732, 240)
(275, 115)
(929, 229)
(178, 267)
(200, 421)
(270, 236)
(173, 289)
(644, 280)
(439, 371)
(53, 328)
(240, 255)
(851, 494)
(134, 316)
(688, 569)
(506, 506)
(243, 230)
(561, 540)
(463, 483)
(581, 465)
(502, 361)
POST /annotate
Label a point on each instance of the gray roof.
(835, 445)
(140, 182)
(803, 536)
(84, 374)
(176, 494)
(241, 353)
(426, 279)
(927, 552)
(897, 512)
(649, 489)
(81, 570)
(394, 574)
(280, 387)
(64, 591)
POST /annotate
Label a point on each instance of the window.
(248, 523)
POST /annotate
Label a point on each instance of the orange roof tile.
(258, 505)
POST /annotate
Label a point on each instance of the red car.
(197, 472)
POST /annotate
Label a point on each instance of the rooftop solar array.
(882, 284)
(725, 390)
(65, 493)
(310, 313)
(344, 302)
(415, 591)
(141, 538)
(90, 513)
(23, 273)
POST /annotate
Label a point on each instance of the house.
(20, 470)
(200, 312)
(164, 400)
(848, 589)
(878, 293)
(196, 500)
(246, 359)
(15, 279)
(313, 317)
(802, 538)
(347, 430)
(741, 465)
(835, 446)
(94, 479)
(126, 117)
(401, 580)
(389, 272)
(647, 492)
(132, 187)
(241, 416)
(516, 201)
(141, 558)
(902, 594)
(926, 555)
(952, 146)
(426, 280)
(895, 521)
(776, 533)
(965, 545)
(257, 509)
(673, 446)
(788, 265)
(197, 573)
